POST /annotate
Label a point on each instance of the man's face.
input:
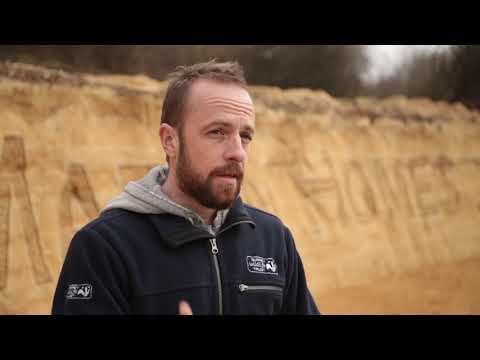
(218, 126)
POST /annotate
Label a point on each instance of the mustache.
(232, 169)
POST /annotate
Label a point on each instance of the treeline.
(452, 76)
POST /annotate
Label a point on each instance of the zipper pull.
(213, 242)
(243, 287)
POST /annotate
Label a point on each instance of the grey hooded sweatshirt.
(146, 197)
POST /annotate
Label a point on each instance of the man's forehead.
(218, 93)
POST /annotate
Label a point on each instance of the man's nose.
(236, 150)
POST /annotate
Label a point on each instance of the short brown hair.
(184, 76)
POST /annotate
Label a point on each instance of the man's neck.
(172, 190)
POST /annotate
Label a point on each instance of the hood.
(146, 197)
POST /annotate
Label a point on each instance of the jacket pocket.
(257, 297)
(250, 289)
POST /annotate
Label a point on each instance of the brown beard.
(205, 192)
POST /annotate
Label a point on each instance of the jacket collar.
(177, 231)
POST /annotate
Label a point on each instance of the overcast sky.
(385, 59)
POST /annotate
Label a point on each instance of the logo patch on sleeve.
(260, 265)
(79, 292)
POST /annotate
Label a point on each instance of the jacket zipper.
(213, 243)
(245, 288)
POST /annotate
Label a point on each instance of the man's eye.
(216, 132)
(247, 137)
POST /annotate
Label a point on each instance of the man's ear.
(169, 138)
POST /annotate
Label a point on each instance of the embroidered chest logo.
(260, 265)
(79, 292)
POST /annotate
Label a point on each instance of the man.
(181, 241)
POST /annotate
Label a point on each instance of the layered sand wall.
(382, 196)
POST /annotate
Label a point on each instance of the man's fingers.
(184, 308)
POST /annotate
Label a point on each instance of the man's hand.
(184, 308)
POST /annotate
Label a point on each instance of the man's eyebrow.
(218, 123)
(221, 123)
(249, 129)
